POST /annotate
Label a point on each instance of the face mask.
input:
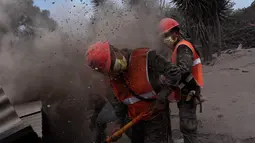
(169, 40)
(120, 64)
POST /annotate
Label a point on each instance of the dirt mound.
(229, 87)
(221, 138)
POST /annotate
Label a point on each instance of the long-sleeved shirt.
(184, 59)
(157, 66)
(185, 62)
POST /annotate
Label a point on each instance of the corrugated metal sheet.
(30, 114)
(35, 120)
(9, 119)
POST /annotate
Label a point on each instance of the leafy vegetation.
(213, 24)
(204, 17)
(25, 18)
(240, 28)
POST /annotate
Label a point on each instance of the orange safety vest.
(137, 80)
(197, 71)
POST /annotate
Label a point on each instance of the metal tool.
(127, 126)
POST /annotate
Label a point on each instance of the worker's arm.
(171, 73)
(184, 59)
(98, 105)
(119, 108)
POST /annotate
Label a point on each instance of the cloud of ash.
(42, 60)
(34, 56)
(38, 60)
(126, 26)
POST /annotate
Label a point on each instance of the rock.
(229, 51)
(216, 108)
(234, 100)
(240, 46)
(245, 71)
(220, 116)
(238, 141)
(179, 141)
(236, 69)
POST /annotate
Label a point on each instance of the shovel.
(126, 127)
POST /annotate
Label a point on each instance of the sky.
(77, 11)
(242, 3)
(50, 4)
(66, 11)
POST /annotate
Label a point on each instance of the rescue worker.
(186, 57)
(134, 78)
(103, 113)
(97, 123)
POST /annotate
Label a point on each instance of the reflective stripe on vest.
(188, 79)
(136, 79)
(197, 65)
(197, 61)
(132, 100)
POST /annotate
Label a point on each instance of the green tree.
(204, 17)
(97, 2)
(239, 28)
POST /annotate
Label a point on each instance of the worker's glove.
(158, 105)
(115, 129)
(163, 94)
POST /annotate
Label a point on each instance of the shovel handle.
(125, 128)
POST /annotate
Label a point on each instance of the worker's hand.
(115, 129)
(162, 96)
(158, 105)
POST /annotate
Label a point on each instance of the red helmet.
(98, 56)
(167, 24)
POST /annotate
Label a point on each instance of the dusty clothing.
(105, 116)
(158, 128)
(184, 59)
(153, 130)
(102, 114)
(157, 65)
(188, 120)
(197, 67)
(101, 118)
(187, 110)
(96, 104)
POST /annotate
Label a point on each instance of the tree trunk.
(206, 50)
(219, 35)
(192, 34)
